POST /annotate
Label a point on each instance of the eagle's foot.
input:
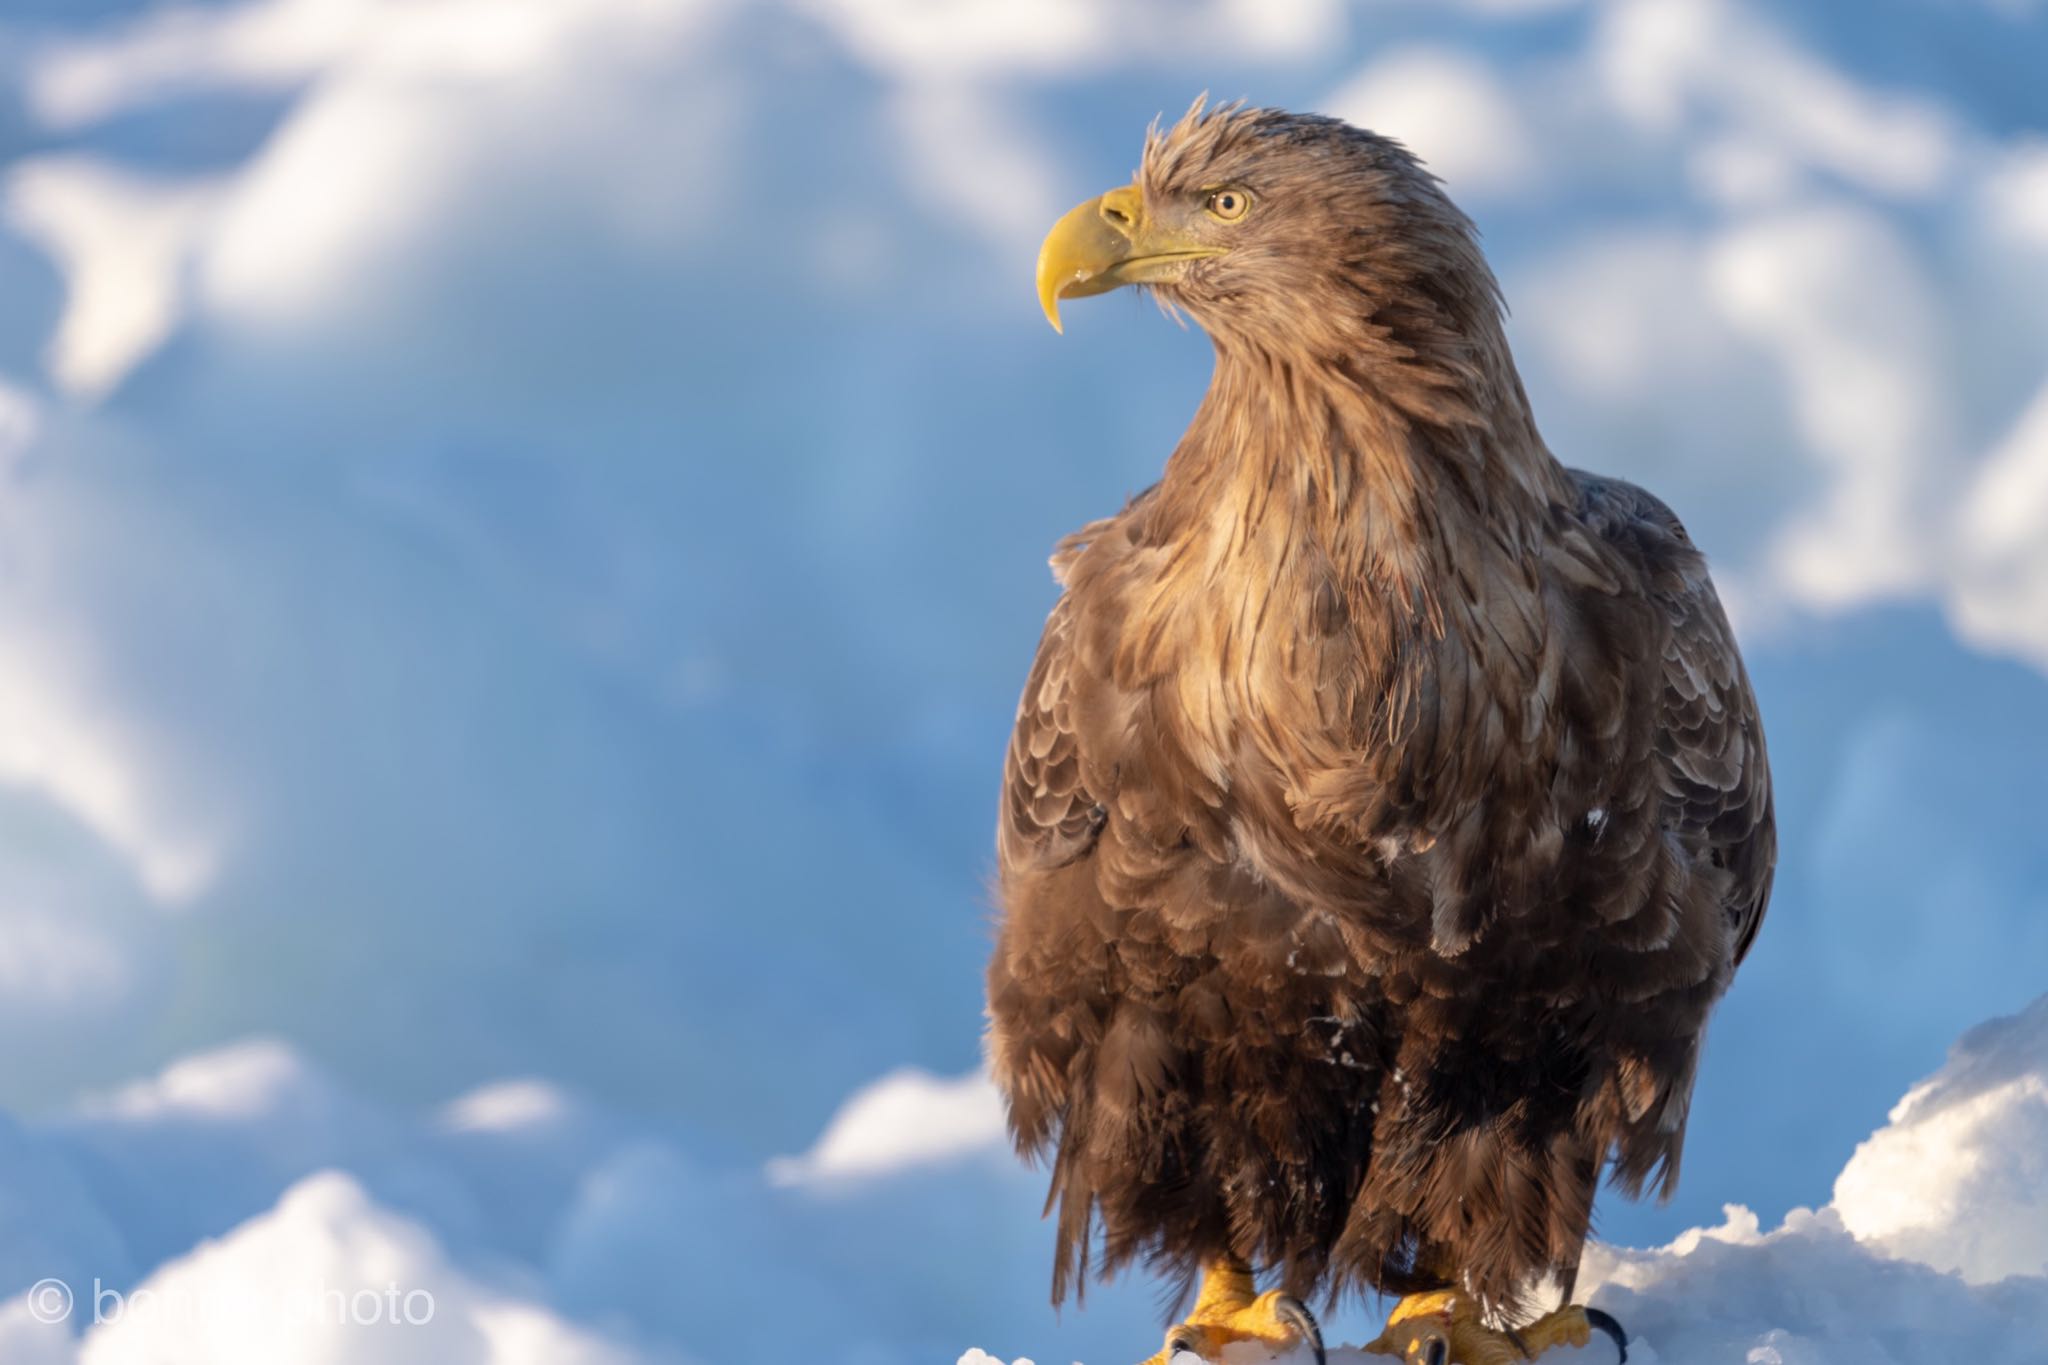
(1229, 1309)
(1447, 1328)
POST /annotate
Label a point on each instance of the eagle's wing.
(1049, 817)
(1713, 774)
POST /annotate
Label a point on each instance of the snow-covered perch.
(1934, 1248)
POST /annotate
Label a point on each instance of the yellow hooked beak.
(1105, 243)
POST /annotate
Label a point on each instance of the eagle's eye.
(1228, 205)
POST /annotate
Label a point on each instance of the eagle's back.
(1354, 936)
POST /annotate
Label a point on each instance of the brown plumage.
(1388, 804)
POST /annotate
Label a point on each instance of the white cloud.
(402, 97)
(242, 1081)
(174, 50)
(974, 164)
(64, 743)
(340, 184)
(1451, 110)
(966, 153)
(327, 1275)
(1742, 171)
(123, 241)
(907, 1118)
(1516, 8)
(2016, 193)
(507, 1106)
(1837, 297)
(50, 963)
(970, 40)
(2000, 596)
(407, 109)
(265, 45)
(1665, 63)
(21, 418)
(1622, 316)
(29, 1339)
(940, 37)
(1274, 30)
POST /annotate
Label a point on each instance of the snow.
(1934, 1248)
(1959, 1178)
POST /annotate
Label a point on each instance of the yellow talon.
(1229, 1308)
(1445, 1327)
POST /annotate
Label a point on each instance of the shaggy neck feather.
(1377, 474)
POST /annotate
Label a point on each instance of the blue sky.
(521, 525)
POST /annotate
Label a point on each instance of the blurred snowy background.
(522, 523)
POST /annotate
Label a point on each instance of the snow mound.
(1959, 1178)
(1933, 1249)
(1808, 1293)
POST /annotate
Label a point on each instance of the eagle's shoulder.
(1108, 536)
(1635, 527)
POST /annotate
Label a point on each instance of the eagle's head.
(1279, 230)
